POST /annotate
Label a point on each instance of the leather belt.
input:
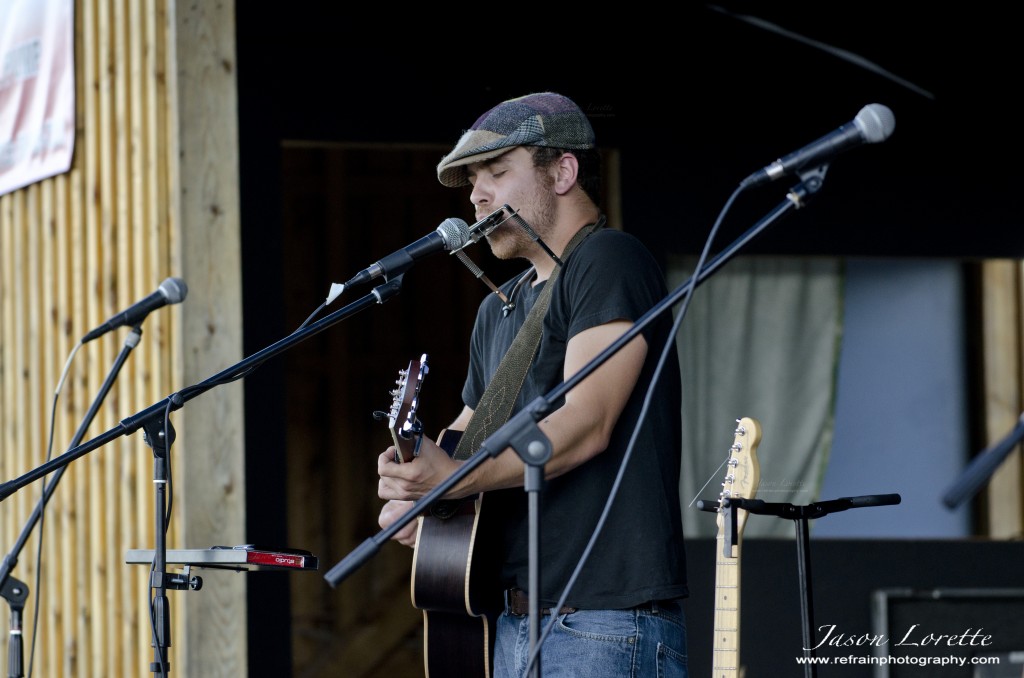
(517, 602)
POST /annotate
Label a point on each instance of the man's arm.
(578, 430)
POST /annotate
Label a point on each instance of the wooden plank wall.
(211, 427)
(344, 204)
(1003, 332)
(74, 250)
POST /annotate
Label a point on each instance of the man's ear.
(567, 169)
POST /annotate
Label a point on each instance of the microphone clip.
(811, 181)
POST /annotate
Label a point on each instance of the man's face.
(511, 179)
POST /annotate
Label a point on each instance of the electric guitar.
(741, 480)
(450, 570)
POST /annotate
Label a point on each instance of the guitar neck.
(726, 659)
(741, 479)
(405, 448)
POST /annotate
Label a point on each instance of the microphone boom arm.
(176, 401)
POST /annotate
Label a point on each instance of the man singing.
(623, 615)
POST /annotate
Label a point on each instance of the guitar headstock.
(743, 472)
(404, 426)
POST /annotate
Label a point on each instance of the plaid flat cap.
(543, 119)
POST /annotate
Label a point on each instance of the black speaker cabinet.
(929, 592)
(949, 633)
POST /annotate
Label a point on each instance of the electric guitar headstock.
(742, 476)
(405, 427)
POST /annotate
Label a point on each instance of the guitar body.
(449, 583)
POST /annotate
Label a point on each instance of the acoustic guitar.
(741, 479)
(450, 570)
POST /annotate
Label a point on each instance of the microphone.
(873, 124)
(171, 291)
(452, 234)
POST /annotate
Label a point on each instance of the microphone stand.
(131, 424)
(160, 440)
(799, 514)
(982, 467)
(12, 590)
(522, 434)
(152, 420)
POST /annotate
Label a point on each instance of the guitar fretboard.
(726, 659)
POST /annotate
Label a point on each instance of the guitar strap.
(495, 406)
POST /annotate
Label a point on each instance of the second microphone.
(451, 235)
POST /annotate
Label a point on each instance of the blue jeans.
(639, 643)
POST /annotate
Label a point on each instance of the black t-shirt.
(639, 556)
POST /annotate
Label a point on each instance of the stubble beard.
(510, 241)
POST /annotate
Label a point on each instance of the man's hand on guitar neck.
(402, 482)
(411, 480)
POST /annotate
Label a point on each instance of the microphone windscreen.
(174, 290)
(876, 122)
(454, 232)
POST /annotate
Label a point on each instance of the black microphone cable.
(42, 514)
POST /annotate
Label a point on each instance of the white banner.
(37, 90)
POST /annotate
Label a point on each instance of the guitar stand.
(800, 514)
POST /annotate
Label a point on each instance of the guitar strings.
(714, 474)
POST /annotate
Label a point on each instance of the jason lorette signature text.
(912, 638)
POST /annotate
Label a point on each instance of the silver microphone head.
(455, 234)
(876, 122)
(174, 290)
